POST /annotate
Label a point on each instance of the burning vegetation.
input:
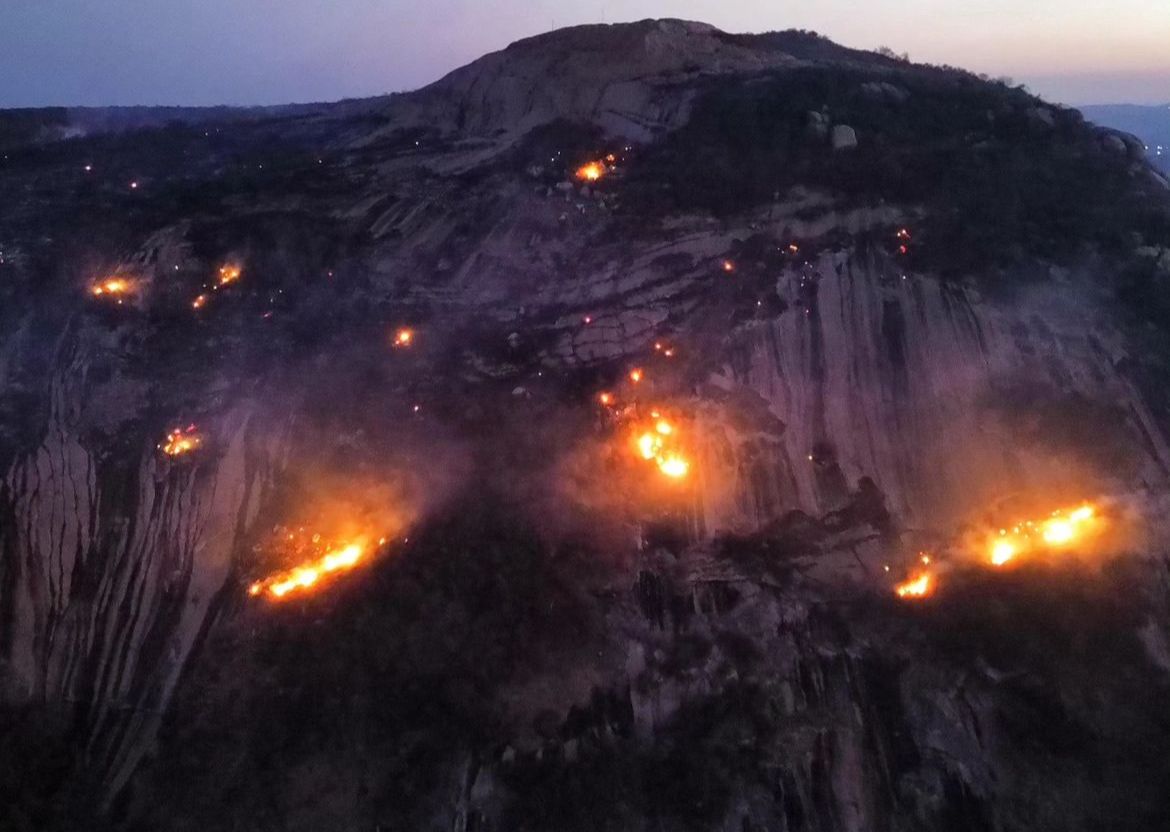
(591, 171)
(659, 442)
(229, 273)
(403, 338)
(318, 558)
(182, 441)
(919, 586)
(116, 288)
(1060, 529)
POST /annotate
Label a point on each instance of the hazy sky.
(274, 51)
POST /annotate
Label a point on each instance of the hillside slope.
(881, 307)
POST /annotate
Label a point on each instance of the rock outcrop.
(843, 137)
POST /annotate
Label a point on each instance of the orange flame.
(403, 338)
(605, 398)
(229, 273)
(182, 441)
(116, 286)
(920, 586)
(1058, 530)
(728, 266)
(591, 171)
(335, 558)
(636, 375)
(659, 444)
(199, 302)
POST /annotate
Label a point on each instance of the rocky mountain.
(1151, 124)
(621, 377)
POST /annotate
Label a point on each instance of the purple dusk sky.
(97, 52)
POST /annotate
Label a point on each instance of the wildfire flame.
(1058, 530)
(322, 559)
(591, 172)
(636, 375)
(659, 444)
(116, 287)
(229, 273)
(919, 586)
(182, 441)
(403, 338)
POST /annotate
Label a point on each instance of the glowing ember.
(635, 375)
(403, 338)
(591, 172)
(1056, 531)
(199, 302)
(182, 441)
(903, 234)
(229, 274)
(917, 587)
(606, 399)
(728, 266)
(322, 560)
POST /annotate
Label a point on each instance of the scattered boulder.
(1113, 143)
(843, 137)
(1042, 117)
(1135, 148)
(818, 124)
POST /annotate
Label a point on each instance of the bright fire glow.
(728, 266)
(635, 375)
(116, 287)
(918, 587)
(1056, 531)
(181, 441)
(229, 274)
(1001, 552)
(659, 444)
(591, 172)
(199, 302)
(403, 337)
(321, 559)
(606, 399)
